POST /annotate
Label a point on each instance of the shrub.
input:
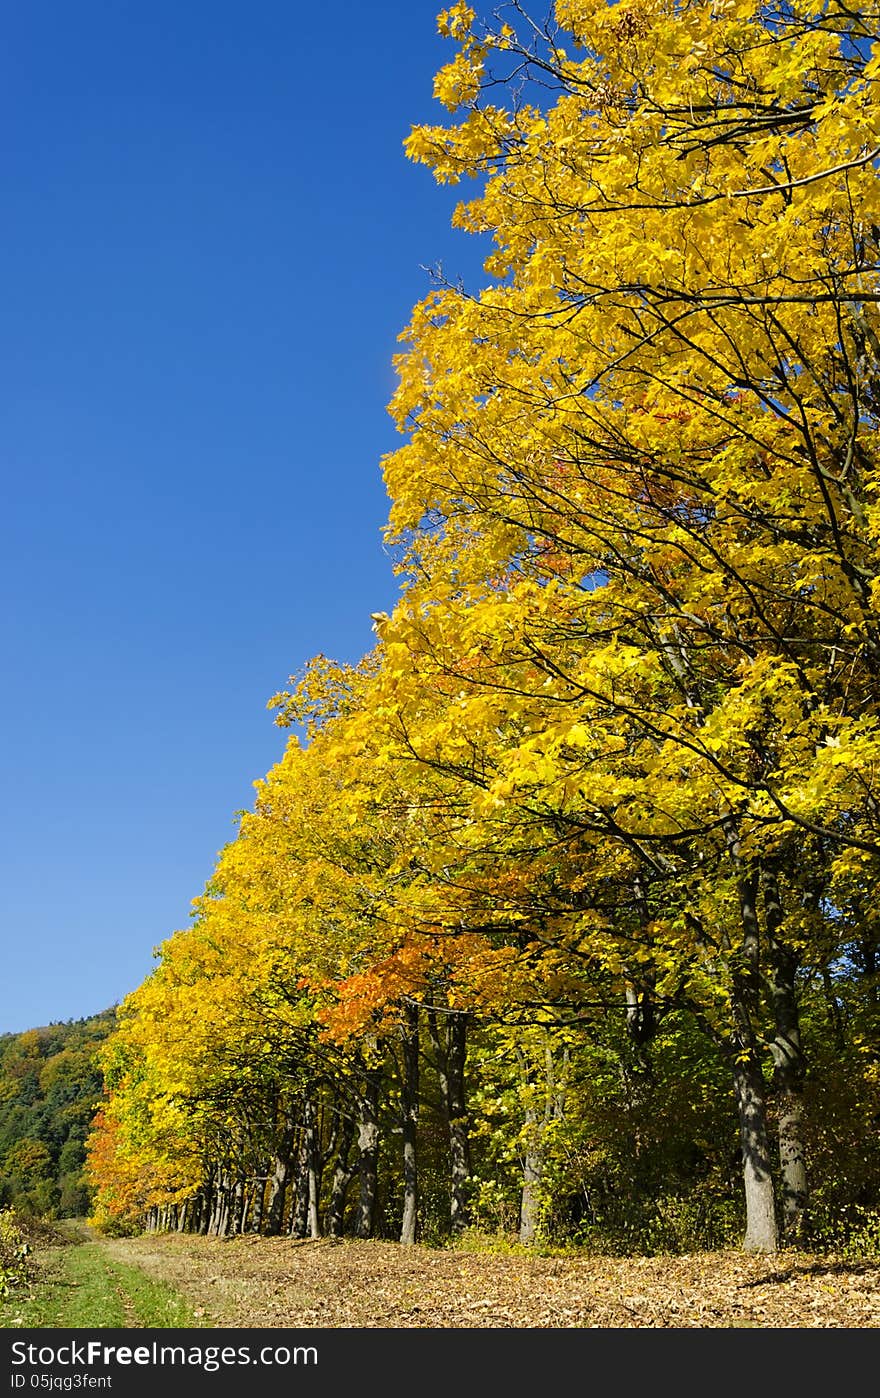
(15, 1255)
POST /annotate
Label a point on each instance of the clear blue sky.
(210, 241)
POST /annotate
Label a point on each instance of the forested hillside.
(50, 1086)
(558, 916)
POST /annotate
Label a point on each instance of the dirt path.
(282, 1283)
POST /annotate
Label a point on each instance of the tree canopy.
(570, 884)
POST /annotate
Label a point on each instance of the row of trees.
(568, 888)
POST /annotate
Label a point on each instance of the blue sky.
(211, 239)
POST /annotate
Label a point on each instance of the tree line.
(50, 1088)
(558, 915)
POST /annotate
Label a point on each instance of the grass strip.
(79, 1287)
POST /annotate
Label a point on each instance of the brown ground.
(282, 1283)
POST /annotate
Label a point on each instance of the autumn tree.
(597, 818)
(649, 440)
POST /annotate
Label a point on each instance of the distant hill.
(50, 1086)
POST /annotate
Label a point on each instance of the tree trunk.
(343, 1174)
(298, 1223)
(220, 1215)
(279, 1180)
(748, 1079)
(533, 1170)
(409, 1110)
(368, 1153)
(748, 1087)
(533, 1159)
(788, 1066)
(450, 1047)
(258, 1197)
(236, 1208)
(541, 1110)
(207, 1203)
(313, 1168)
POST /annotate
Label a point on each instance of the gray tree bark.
(450, 1048)
(409, 1110)
(258, 1199)
(368, 1153)
(343, 1174)
(789, 1069)
(540, 1111)
(279, 1178)
(761, 1233)
(298, 1224)
(313, 1167)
